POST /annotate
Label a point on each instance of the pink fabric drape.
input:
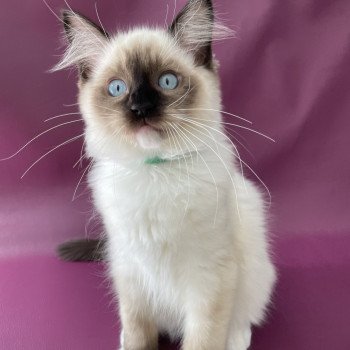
(287, 71)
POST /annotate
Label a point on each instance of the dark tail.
(83, 250)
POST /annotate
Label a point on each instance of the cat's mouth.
(150, 123)
(154, 124)
(148, 136)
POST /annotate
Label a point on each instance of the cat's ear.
(86, 42)
(193, 30)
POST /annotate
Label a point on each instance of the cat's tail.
(83, 250)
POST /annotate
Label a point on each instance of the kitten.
(186, 233)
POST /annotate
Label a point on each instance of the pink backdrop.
(288, 71)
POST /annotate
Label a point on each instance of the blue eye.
(168, 81)
(117, 88)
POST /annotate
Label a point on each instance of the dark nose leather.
(144, 100)
(142, 109)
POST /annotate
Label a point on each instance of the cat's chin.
(148, 137)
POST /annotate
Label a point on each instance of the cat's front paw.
(121, 341)
(240, 339)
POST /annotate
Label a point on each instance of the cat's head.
(146, 91)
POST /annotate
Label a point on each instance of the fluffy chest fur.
(167, 224)
(164, 202)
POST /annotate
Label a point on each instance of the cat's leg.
(252, 297)
(139, 329)
(207, 326)
(207, 318)
(239, 337)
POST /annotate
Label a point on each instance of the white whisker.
(216, 110)
(184, 95)
(240, 159)
(229, 131)
(36, 137)
(239, 126)
(188, 176)
(79, 161)
(203, 126)
(71, 105)
(178, 159)
(108, 109)
(49, 152)
(226, 168)
(210, 172)
(174, 13)
(82, 154)
(88, 167)
(170, 141)
(186, 144)
(60, 116)
(166, 16)
(99, 20)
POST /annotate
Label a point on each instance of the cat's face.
(143, 92)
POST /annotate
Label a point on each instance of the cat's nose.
(142, 109)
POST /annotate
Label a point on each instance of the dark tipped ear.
(193, 30)
(74, 21)
(86, 41)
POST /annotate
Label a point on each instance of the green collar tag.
(155, 160)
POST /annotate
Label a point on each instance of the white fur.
(172, 247)
(148, 138)
(181, 232)
(170, 229)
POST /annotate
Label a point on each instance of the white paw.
(247, 336)
(121, 340)
(240, 339)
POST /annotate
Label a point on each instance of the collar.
(155, 160)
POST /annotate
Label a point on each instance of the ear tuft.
(86, 42)
(69, 17)
(66, 19)
(195, 28)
